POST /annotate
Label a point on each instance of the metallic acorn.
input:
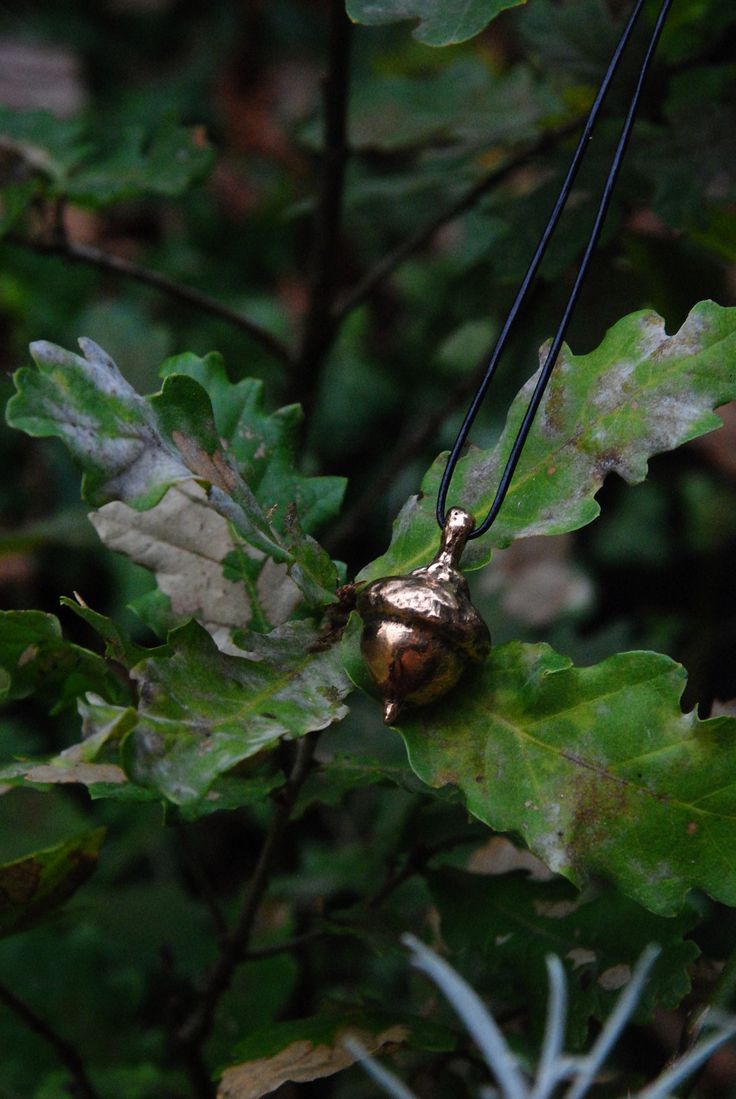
(421, 631)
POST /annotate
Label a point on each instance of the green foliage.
(37, 884)
(133, 449)
(640, 393)
(36, 660)
(440, 23)
(267, 848)
(57, 159)
(202, 712)
(506, 928)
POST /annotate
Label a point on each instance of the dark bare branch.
(319, 326)
(422, 237)
(234, 945)
(67, 1054)
(105, 261)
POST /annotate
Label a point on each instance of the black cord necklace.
(421, 630)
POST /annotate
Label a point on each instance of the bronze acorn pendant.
(420, 631)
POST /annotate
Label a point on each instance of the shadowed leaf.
(440, 22)
(32, 886)
(35, 659)
(509, 924)
(202, 712)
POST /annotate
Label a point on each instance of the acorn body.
(420, 631)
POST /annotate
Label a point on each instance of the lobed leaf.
(167, 163)
(597, 768)
(132, 449)
(38, 883)
(202, 712)
(264, 445)
(36, 659)
(440, 22)
(512, 923)
(639, 393)
(55, 157)
(202, 567)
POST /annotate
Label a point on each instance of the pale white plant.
(555, 1068)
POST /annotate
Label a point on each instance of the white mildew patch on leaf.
(641, 392)
(185, 543)
(132, 449)
(108, 427)
(597, 768)
(440, 22)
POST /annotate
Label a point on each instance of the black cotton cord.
(540, 250)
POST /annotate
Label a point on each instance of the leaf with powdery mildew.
(202, 711)
(109, 428)
(597, 768)
(440, 22)
(133, 449)
(264, 445)
(639, 393)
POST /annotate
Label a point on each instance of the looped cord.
(539, 252)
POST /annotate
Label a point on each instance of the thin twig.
(287, 946)
(234, 946)
(410, 444)
(67, 1053)
(319, 326)
(418, 240)
(105, 261)
(416, 862)
(201, 879)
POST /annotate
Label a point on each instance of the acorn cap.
(420, 599)
(435, 596)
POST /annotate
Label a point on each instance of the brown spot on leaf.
(30, 653)
(692, 827)
(210, 467)
(19, 882)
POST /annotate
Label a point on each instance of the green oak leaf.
(201, 711)
(36, 659)
(58, 158)
(505, 926)
(118, 645)
(440, 22)
(132, 449)
(597, 768)
(264, 445)
(167, 162)
(38, 883)
(639, 393)
(49, 147)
